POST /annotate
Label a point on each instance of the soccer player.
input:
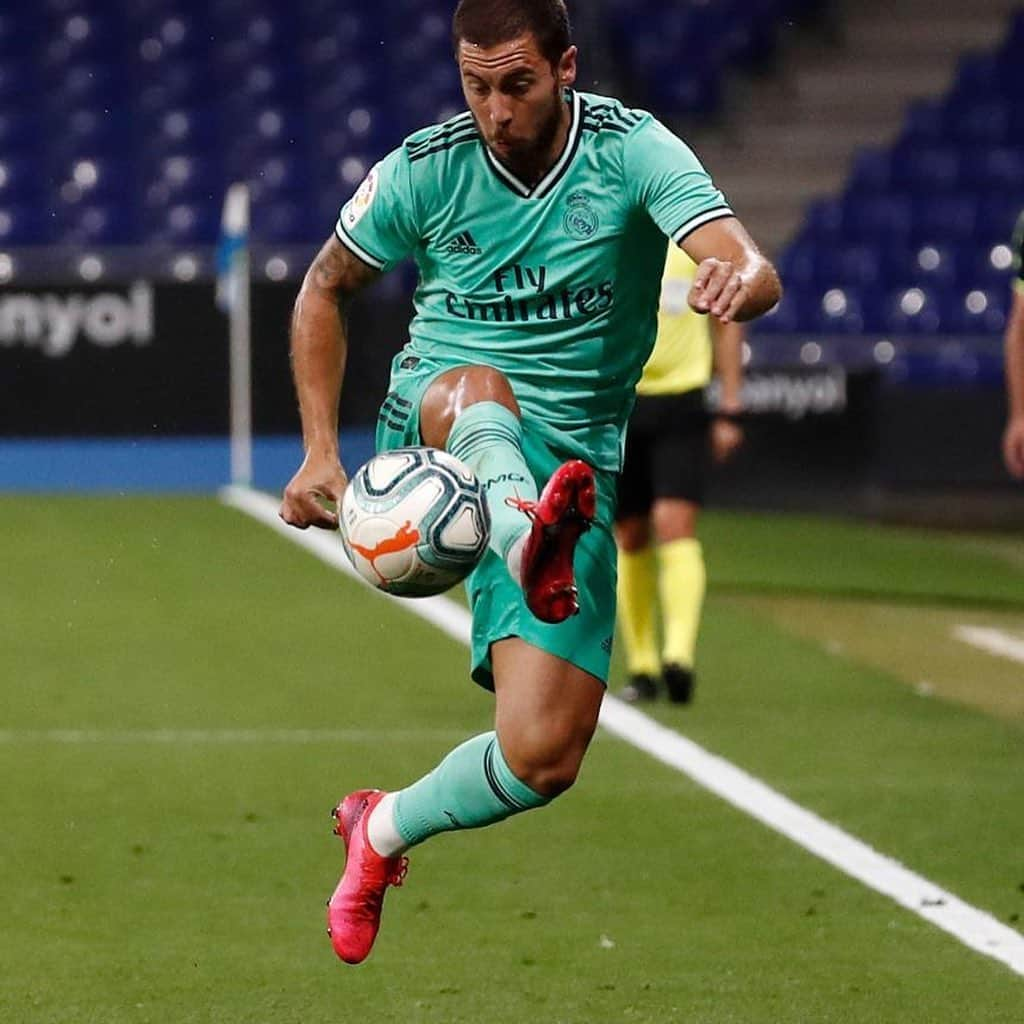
(1013, 436)
(662, 485)
(538, 221)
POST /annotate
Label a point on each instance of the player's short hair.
(490, 22)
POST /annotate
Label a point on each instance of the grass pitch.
(185, 696)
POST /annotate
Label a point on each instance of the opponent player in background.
(1013, 436)
(538, 222)
(661, 488)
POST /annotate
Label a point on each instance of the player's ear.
(566, 71)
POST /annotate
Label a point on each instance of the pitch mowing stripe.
(991, 640)
(974, 928)
(198, 737)
(439, 611)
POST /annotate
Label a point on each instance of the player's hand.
(317, 480)
(1013, 447)
(718, 289)
(726, 439)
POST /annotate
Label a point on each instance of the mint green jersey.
(556, 285)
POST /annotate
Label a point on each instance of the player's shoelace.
(528, 508)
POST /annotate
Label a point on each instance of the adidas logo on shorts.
(463, 244)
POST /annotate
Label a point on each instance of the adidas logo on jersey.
(463, 244)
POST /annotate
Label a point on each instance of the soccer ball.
(414, 521)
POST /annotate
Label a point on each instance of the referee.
(661, 489)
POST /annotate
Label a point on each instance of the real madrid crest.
(580, 219)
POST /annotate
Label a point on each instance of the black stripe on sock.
(492, 780)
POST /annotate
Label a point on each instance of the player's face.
(516, 96)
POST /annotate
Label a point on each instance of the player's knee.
(455, 391)
(549, 766)
(633, 533)
(674, 519)
(553, 778)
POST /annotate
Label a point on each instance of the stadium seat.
(991, 169)
(979, 311)
(282, 222)
(951, 218)
(183, 224)
(183, 177)
(20, 181)
(997, 215)
(790, 315)
(841, 310)
(977, 121)
(885, 219)
(914, 310)
(25, 224)
(924, 122)
(97, 224)
(924, 168)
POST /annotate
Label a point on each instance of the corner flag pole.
(233, 296)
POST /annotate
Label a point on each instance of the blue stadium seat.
(26, 224)
(184, 177)
(87, 178)
(924, 121)
(21, 132)
(986, 266)
(925, 168)
(997, 215)
(914, 310)
(847, 265)
(171, 84)
(929, 266)
(18, 82)
(884, 219)
(994, 169)
(282, 222)
(98, 224)
(977, 120)
(280, 176)
(793, 313)
(979, 311)
(20, 181)
(183, 224)
(952, 218)
(90, 130)
(95, 85)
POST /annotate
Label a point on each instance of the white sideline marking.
(973, 927)
(994, 641)
(223, 736)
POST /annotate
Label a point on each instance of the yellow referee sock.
(681, 583)
(637, 584)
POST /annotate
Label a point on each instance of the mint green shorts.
(499, 610)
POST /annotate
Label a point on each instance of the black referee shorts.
(666, 452)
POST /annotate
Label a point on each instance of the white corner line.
(975, 928)
(992, 641)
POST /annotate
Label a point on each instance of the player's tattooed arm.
(319, 345)
(338, 271)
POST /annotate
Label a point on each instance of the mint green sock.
(472, 787)
(488, 438)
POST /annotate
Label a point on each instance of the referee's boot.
(640, 689)
(679, 683)
(561, 515)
